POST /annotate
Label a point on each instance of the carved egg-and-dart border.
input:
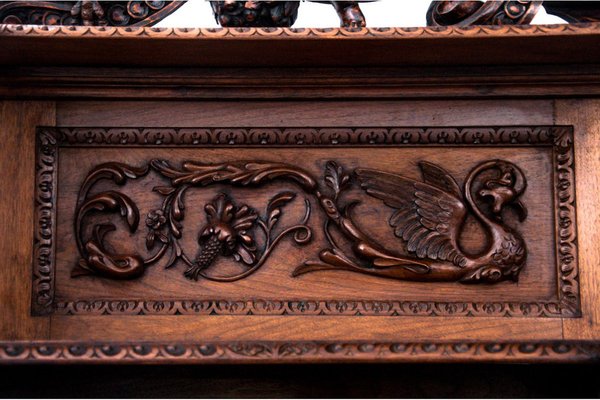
(298, 351)
(49, 140)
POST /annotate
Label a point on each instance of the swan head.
(505, 191)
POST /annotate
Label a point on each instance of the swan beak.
(521, 210)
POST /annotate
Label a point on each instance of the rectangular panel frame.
(49, 140)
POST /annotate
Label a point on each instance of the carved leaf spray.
(428, 217)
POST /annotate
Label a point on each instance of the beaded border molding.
(558, 138)
(300, 33)
(302, 351)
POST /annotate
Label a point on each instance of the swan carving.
(429, 216)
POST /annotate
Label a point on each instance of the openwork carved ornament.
(467, 13)
(231, 13)
(426, 215)
(509, 12)
(87, 12)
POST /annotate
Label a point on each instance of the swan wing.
(426, 216)
(439, 177)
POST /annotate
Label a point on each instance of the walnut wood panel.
(583, 114)
(323, 97)
(301, 83)
(335, 112)
(17, 126)
(297, 328)
(532, 297)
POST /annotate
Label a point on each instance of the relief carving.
(475, 12)
(406, 228)
(87, 12)
(427, 215)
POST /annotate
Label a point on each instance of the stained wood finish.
(94, 97)
(583, 114)
(305, 295)
(299, 352)
(17, 121)
(424, 83)
(284, 47)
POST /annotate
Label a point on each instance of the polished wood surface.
(538, 282)
(284, 47)
(18, 117)
(583, 114)
(105, 98)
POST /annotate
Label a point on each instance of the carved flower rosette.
(426, 215)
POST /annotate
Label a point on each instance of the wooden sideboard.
(299, 195)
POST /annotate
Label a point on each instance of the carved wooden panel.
(476, 221)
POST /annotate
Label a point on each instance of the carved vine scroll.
(425, 215)
(428, 216)
(229, 231)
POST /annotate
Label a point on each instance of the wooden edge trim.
(295, 352)
(579, 29)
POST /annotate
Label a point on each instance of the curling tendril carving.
(428, 217)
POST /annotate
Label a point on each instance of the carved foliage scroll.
(87, 12)
(467, 13)
(426, 215)
(229, 231)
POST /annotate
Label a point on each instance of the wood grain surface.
(17, 126)
(583, 114)
(267, 47)
(537, 281)
(479, 78)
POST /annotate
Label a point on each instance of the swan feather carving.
(429, 216)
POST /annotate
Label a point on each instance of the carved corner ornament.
(426, 215)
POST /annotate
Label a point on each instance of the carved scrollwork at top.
(87, 12)
(268, 14)
(229, 13)
(148, 12)
(510, 12)
(475, 12)
(428, 216)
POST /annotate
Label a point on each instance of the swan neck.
(469, 195)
